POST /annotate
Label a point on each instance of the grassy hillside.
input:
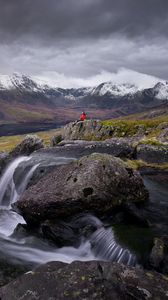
(128, 127)
(149, 124)
(7, 143)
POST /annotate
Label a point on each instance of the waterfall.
(7, 179)
(14, 194)
(105, 247)
(97, 244)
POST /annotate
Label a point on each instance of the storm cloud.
(83, 38)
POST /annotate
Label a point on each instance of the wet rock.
(21, 231)
(30, 144)
(95, 183)
(71, 232)
(158, 253)
(9, 271)
(153, 154)
(86, 280)
(60, 233)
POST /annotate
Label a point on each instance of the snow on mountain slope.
(5, 82)
(161, 90)
(34, 85)
(117, 90)
(17, 81)
(28, 84)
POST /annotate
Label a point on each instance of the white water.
(7, 178)
(105, 247)
(99, 245)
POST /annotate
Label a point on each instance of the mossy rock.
(95, 183)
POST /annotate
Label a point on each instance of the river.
(117, 243)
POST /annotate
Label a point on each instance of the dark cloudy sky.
(82, 41)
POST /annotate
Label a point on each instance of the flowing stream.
(101, 244)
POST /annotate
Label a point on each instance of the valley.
(24, 100)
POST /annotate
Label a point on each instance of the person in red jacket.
(83, 116)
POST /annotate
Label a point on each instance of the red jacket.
(83, 117)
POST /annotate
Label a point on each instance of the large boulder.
(82, 130)
(96, 130)
(95, 183)
(86, 280)
(30, 144)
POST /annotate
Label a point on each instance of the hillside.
(24, 99)
(149, 127)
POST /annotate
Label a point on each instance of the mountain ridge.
(22, 99)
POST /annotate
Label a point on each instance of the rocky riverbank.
(89, 280)
(102, 180)
(147, 141)
(95, 183)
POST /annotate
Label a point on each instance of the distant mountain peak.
(161, 90)
(118, 90)
(108, 89)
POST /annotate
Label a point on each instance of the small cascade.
(15, 194)
(7, 181)
(105, 247)
(95, 243)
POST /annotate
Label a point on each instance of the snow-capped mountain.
(118, 90)
(22, 83)
(27, 99)
(25, 83)
(28, 84)
(161, 90)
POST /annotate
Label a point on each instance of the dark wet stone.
(87, 280)
(95, 183)
(69, 233)
(60, 233)
(9, 271)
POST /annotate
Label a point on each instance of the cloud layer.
(82, 38)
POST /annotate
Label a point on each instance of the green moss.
(152, 142)
(126, 127)
(138, 164)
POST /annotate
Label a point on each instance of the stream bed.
(128, 244)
